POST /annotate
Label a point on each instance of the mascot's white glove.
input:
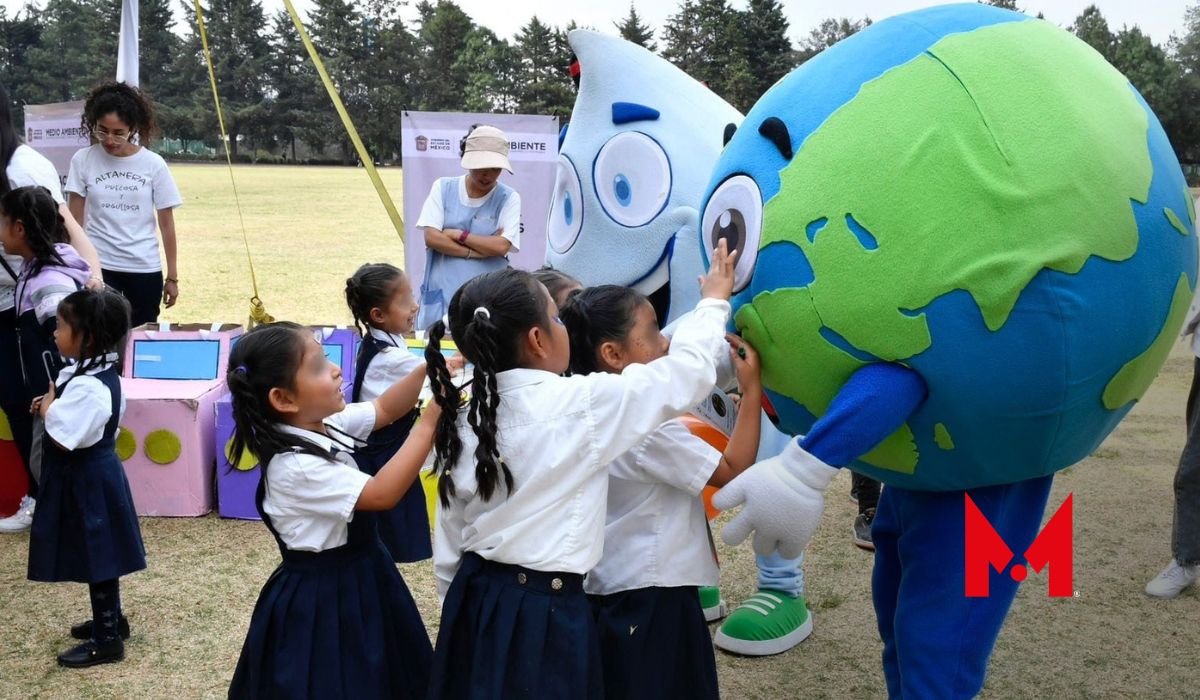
(782, 499)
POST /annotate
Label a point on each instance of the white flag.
(127, 49)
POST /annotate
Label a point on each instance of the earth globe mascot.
(633, 165)
(967, 248)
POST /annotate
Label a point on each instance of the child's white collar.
(106, 362)
(384, 336)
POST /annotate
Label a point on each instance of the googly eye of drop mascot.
(633, 164)
(967, 249)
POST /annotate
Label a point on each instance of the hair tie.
(240, 369)
(482, 311)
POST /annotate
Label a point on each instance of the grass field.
(309, 228)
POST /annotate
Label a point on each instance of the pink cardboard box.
(166, 444)
(173, 377)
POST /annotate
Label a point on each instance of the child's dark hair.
(35, 207)
(265, 358)
(489, 317)
(129, 103)
(100, 319)
(556, 282)
(595, 316)
(369, 288)
(9, 139)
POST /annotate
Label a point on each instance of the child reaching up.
(335, 620)
(85, 528)
(654, 640)
(524, 480)
(381, 299)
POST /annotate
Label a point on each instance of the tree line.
(445, 61)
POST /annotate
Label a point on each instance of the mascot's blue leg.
(936, 640)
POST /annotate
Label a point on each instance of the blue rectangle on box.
(176, 359)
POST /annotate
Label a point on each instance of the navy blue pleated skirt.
(405, 528)
(335, 624)
(510, 632)
(655, 644)
(84, 528)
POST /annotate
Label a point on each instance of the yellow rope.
(258, 313)
(365, 157)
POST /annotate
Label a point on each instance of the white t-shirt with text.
(124, 196)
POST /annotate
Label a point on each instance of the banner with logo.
(430, 151)
(54, 131)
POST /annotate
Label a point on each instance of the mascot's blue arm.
(870, 406)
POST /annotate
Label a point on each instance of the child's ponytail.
(447, 444)
(35, 207)
(489, 316)
(482, 336)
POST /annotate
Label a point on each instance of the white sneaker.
(22, 519)
(1173, 580)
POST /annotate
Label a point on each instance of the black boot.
(91, 653)
(84, 629)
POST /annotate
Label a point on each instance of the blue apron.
(444, 274)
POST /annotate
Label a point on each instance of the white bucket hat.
(486, 147)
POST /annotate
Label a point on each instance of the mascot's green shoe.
(714, 606)
(768, 622)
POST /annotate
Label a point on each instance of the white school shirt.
(311, 499)
(558, 435)
(78, 417)
(26, 167)
(390, 365)
(124, 195)
(656, 533)
(509, 222)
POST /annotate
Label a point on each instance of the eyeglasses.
(104, 135)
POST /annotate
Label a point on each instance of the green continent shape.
(941, 436)
(967, 177)
(1191, 204)
(1174, 219)
(1132, 380)
(795, 332)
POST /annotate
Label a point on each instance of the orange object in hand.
(719, 441)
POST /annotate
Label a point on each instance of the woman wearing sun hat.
(471, 222)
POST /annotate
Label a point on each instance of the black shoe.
(84, 629)
(92, 653)
(862, 530)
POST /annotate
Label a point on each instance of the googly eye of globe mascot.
(967, 248)
(633, 165)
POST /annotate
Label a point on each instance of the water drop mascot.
(633, 164)
(967, 247)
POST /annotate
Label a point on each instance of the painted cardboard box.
(173, 377)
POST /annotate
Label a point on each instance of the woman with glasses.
(21, 166)
(124, 195)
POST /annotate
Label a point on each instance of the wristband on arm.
(462, 237)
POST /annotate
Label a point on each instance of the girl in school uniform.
(384, 308)
(654, 640)
(32, 227)
(335, 619)
(85, 528)
(524, 481)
